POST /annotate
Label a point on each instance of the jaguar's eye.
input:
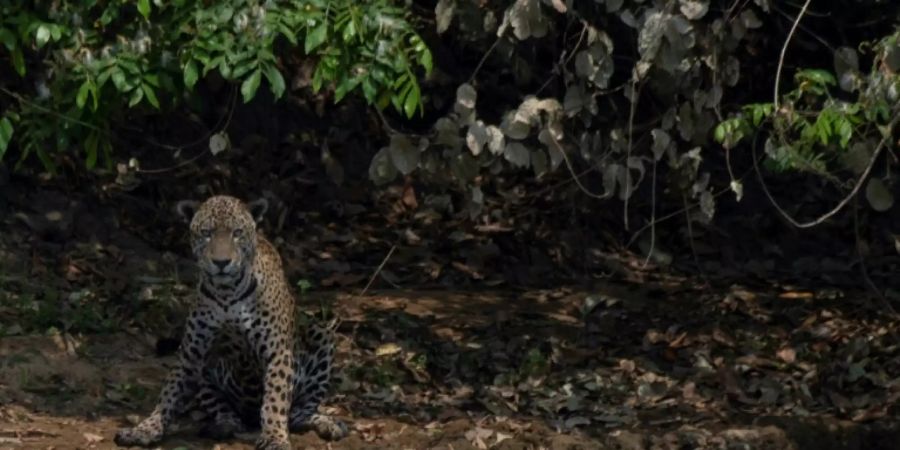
(206, 233)
(237, 232)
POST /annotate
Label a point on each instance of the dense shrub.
(631, 90)
(83, 65)
(623, 97)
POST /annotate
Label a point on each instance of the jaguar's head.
(223, 232)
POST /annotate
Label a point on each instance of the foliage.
(813, 123)
(625, 97)
(50, 311)
(105, 60)
(544, 132)
(816, 129)
(599, 110)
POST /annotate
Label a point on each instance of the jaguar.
(241, 361)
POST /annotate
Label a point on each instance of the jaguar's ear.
(258, 209)
(186, 209)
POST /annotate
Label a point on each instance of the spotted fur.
(238, 360)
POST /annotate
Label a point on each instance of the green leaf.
(276, 81)
(397, 101)
(817, 76)
(412, 100)
(243, 67)
(46, 161)
(136, 96)
(90, 146)
(315, 36)
(212, 63)
(250, 85)
(152, 79)
(346, 85)
(425, 59)
(83, 91)
(759, 111)
(6, 134)
(107, 153)
(104, 76)
(191, 74)
(719, 133)
(226, 70)
(845, 130)
(384, 99)
(288, 34)
(143, 7)
(151, 96)
(318, 78)
(19, 61)
(95, 94)
(118, 77)
(130, 66)
(304, 285)
(349, 31)
(369, 90)
(43, 35)
(8, 38)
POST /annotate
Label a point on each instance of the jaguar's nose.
(221, 263)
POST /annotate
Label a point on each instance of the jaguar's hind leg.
(214, 399)
(312, 376)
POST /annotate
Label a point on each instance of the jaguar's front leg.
(278, 388)
(181, 382)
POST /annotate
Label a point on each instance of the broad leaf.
(6, 134)
(404, 155)
(191, 74)
(443, 13)
(150, 95)
(276, 81)
(250, 85)
(143, 7)
(315, 36)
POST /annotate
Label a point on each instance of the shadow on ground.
(509, 370)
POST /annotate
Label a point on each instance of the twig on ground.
(371, 280)
(378, 270)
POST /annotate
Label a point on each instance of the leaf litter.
(650, 363)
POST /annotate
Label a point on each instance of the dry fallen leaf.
(92, 438)
(560, 6)
(478, 436)
(575, 421)
(502, 437)
(387, 349)
(787, 355)
(796, 295)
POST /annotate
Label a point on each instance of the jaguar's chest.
(242, 316)
(239, 331)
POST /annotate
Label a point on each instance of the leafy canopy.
(97, 60)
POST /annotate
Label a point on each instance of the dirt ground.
(615, 367)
